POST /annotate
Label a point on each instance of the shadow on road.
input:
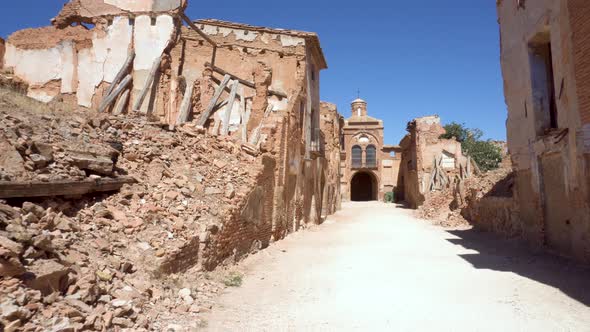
(495, 253)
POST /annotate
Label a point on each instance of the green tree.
(457, 131)
(486, 154)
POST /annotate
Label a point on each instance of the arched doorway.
(363, 187)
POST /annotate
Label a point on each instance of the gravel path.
(374, 267)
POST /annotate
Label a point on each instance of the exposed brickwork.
(246, 227)
(182, 260)
(579, 12)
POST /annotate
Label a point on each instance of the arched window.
(357, 156)
(371, 156)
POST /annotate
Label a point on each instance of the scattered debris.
(455, 204)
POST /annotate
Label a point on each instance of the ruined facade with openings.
(545, 51)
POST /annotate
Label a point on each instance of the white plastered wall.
(41, 66)
(149, 42)
(103, 60)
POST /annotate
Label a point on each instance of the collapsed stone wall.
(98, 261)
(282, 65)
(227, 180)
(422, 151)
(486, 201)
(272, 61)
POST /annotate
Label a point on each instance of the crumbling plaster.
(149, 42)
(104, 59)
(40, 66)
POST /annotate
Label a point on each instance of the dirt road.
(373, 267)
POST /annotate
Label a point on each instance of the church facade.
(369, 168)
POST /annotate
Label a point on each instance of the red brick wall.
(249, 226)
(579, 19)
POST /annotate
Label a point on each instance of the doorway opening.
(363, 187)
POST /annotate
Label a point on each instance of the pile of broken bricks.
(94, 262)
(446, 206)
(48, 155)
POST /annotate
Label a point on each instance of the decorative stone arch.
(364, 186)
(372, 138)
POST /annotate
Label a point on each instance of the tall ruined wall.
(299, 195)
(331, 126)
(548, 157)
(291, 186)
(421, 148)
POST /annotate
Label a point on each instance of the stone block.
(47, 276)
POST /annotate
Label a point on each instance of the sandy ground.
(374, 267)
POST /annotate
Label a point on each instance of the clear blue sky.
(408, 58)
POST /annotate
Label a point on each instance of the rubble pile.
(438, 207)
(447, 207)
(47, 147)
(100, 262)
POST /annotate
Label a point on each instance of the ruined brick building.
(368, 168)
(254, 86)
(423, 152)
(545, 54)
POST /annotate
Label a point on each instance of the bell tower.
(359, 107)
